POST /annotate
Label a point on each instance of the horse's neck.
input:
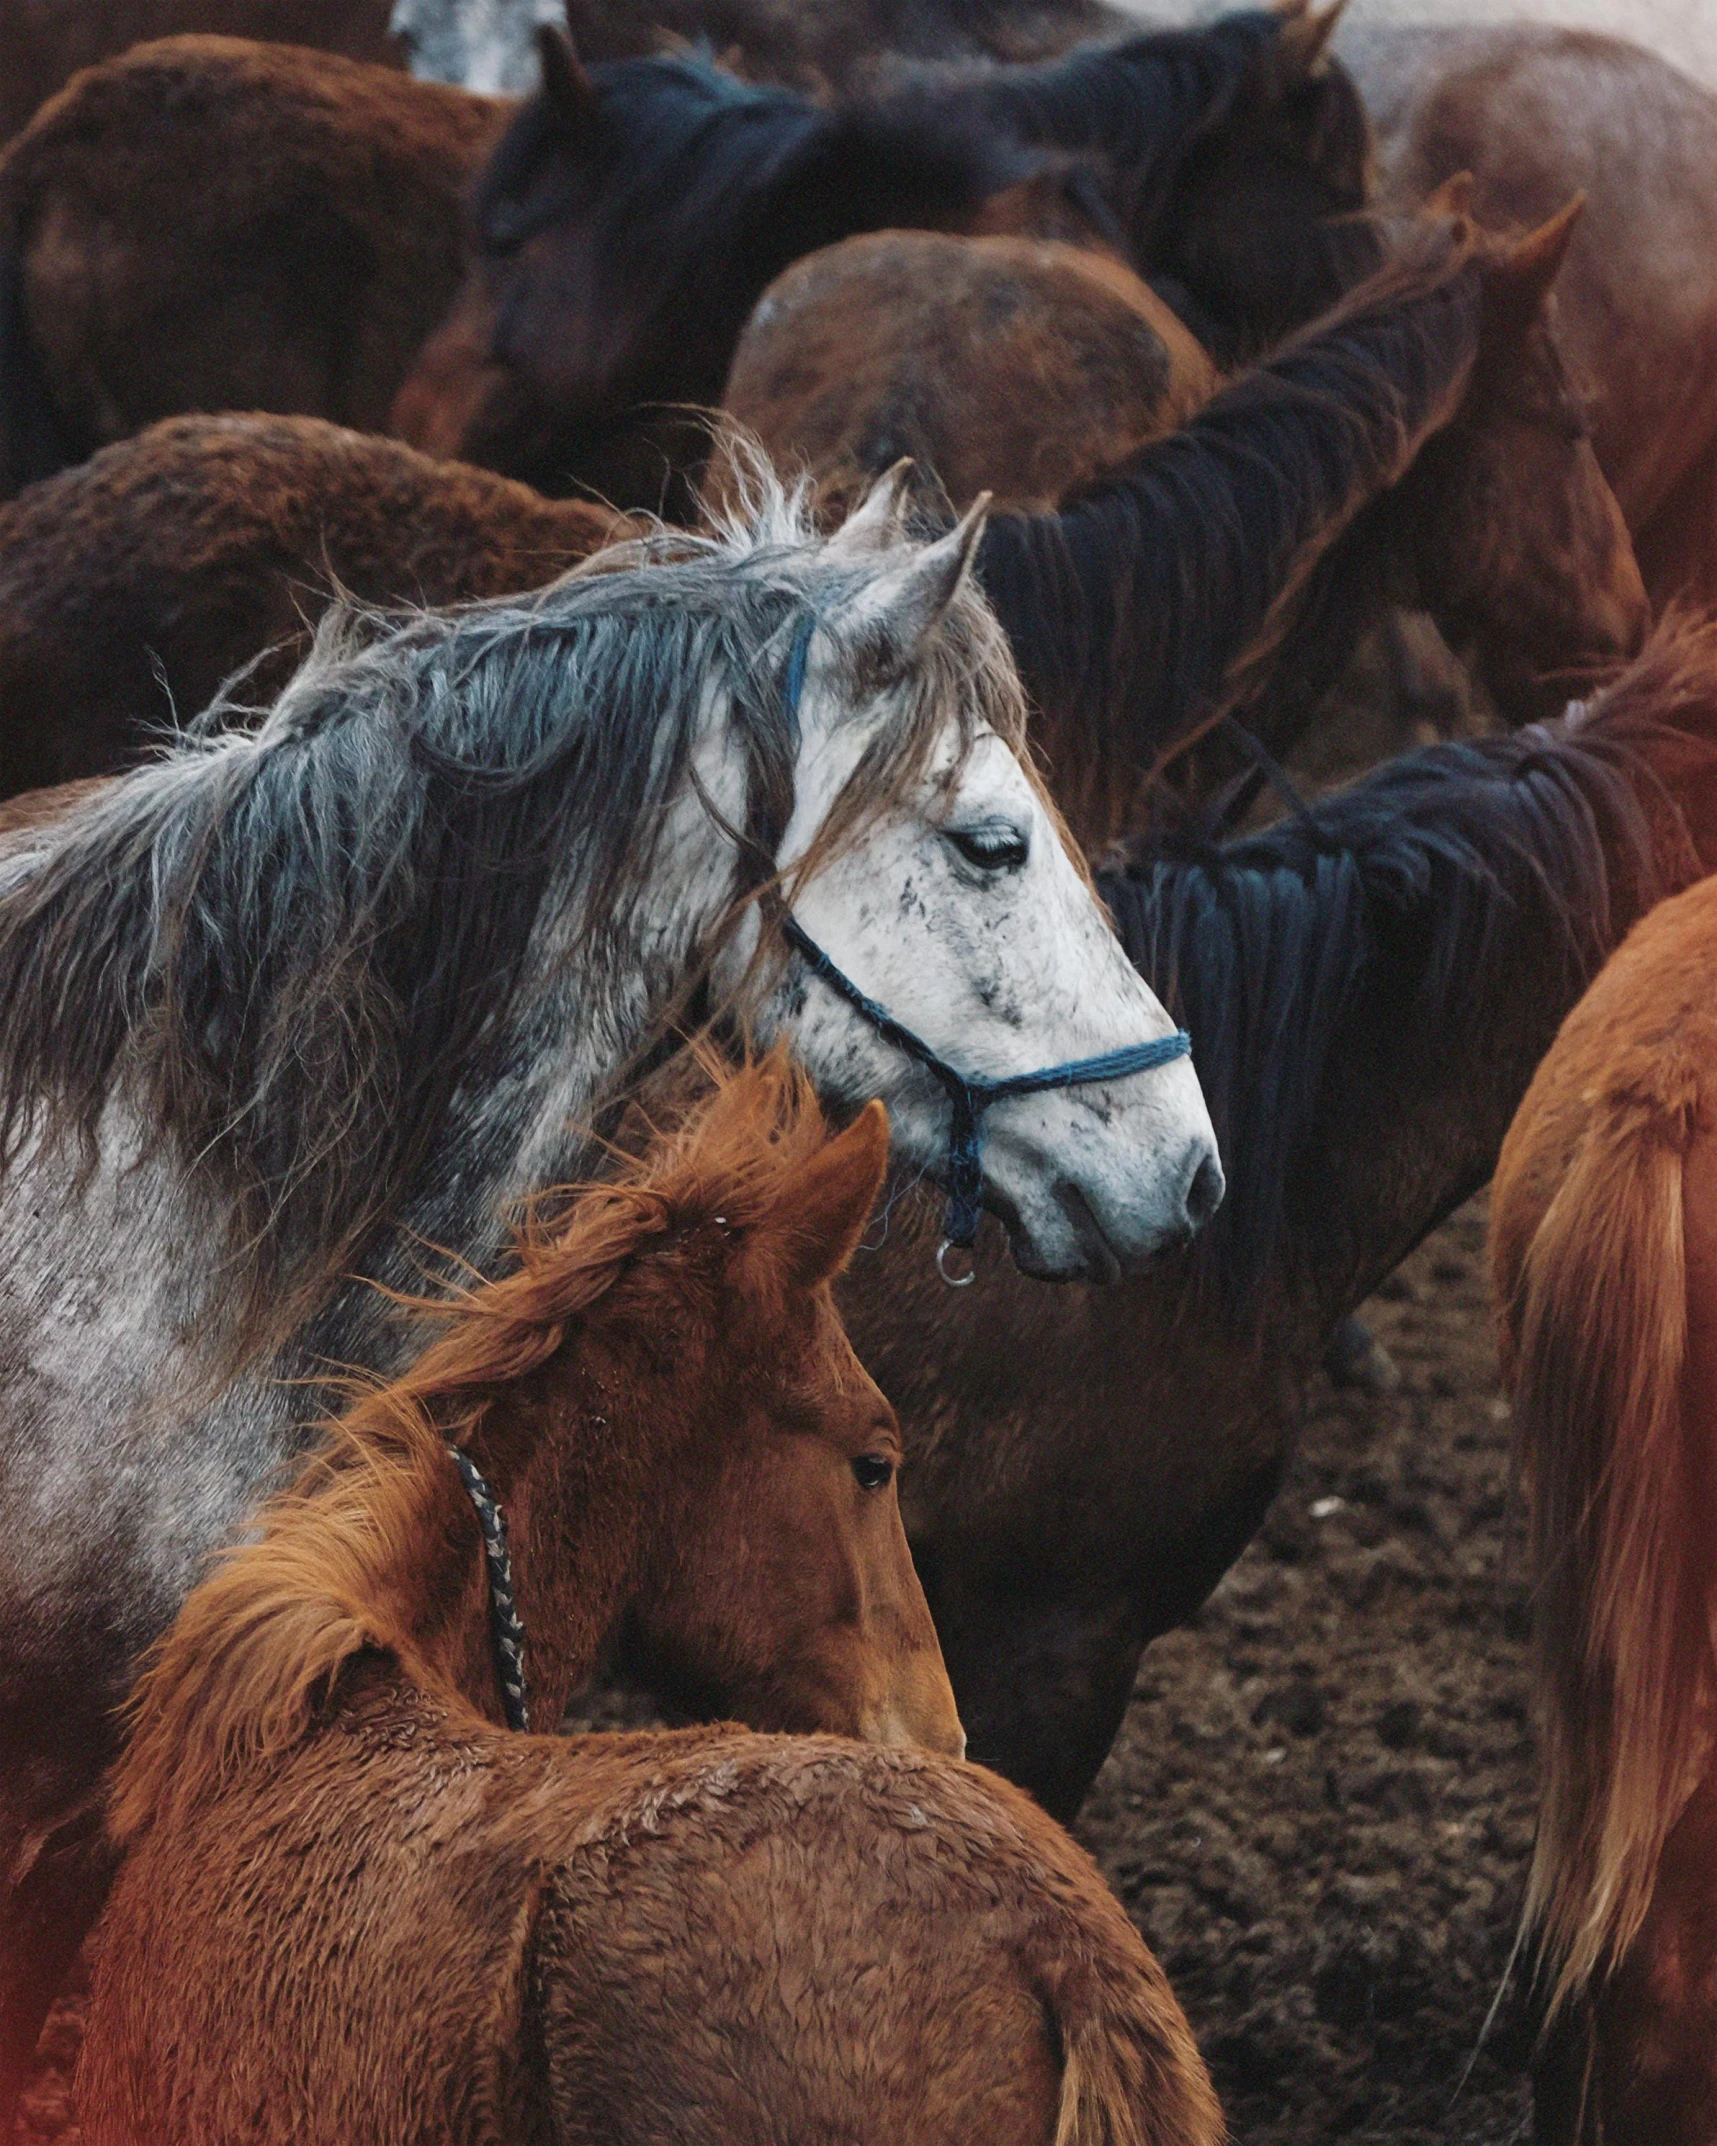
(529, 1113)
(573, 1465)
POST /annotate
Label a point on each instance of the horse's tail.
(1620, 1474)
(33, 441)
(1131, 2072)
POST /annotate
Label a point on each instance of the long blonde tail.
(1595, 1337)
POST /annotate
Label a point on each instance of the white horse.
(292, 1003)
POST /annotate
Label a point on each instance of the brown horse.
(43, 44)
(1604, 1238)
(396, 1918)
(134, 584)
(1537, 113)
(211, 224)
(1022, 367)
(1018, 369)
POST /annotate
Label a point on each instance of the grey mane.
(289, 945)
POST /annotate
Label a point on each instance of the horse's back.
(766, 1936)
(303, 281)
(134, 585)
(1634, 1057)
(1006, 363)
(712, 1936)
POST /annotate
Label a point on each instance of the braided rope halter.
(506, 1632)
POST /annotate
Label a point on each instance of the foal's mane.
(294, 943)
(1400, 887)
(344, 1559)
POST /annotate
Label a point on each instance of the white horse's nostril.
(1205, 1189)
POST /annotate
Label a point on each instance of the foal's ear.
(567, 89)
(823, 1214)
(895, 615)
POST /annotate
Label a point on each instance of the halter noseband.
(969, 1094)
(507, 1633)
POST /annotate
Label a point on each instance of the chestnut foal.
(396, 1918)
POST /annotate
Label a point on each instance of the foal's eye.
(993, 845)
(875, 1471)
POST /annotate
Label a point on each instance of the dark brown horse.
(211, 224)
(43, 43)
(1536, 113)
(635, 211)
(842, 44)
(134, 584)
(394, 1917)
(1014, 369)
(1369, 992)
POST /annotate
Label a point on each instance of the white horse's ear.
(878, 522)
(899, 609)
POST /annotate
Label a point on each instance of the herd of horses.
(545, 644)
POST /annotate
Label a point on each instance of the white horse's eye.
(993, 845)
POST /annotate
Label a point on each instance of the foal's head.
(697, 1469)
(1521, 544)
(745, 1461)
(691, 1460)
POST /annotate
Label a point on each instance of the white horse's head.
(957, 903)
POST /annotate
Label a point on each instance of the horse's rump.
(304, 281)
(1605, 1250)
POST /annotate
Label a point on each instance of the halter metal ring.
(954, 1281)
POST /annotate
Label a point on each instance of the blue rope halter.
(969, 1094)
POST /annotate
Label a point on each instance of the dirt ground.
(1319, 1810)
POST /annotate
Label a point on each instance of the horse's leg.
(49, 1910)
(1041, 1684)
(1654, 2070)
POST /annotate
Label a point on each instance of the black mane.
(1132, 608)
(1397, 891)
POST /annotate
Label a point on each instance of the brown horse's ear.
(567, 88)
(823, 1213)
(1532, 264)
(1453, 198)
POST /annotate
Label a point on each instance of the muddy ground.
(1319, 1809)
